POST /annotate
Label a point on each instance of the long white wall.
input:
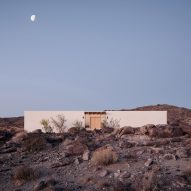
(32, 118)
(137, 118)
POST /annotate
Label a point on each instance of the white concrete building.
(95, 120)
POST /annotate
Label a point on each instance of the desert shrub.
(35, 143)
(112, 123)
(78, 124)
(59, 123)
(104, 157)
(19, 137)
(25, 173)
(46, 125)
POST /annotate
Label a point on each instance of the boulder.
(144, 130)
(76, 148)
(37, 131)
(103, 173)
(168, 131)
(19, 137)
(86, 155)
(169, 157)
(186, 129)
(126, 130)
(148, 162)
(126, 144)
(181, 153)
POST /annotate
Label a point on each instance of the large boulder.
(75, 148)
(127, 130)
(169, 131)
(186, 129)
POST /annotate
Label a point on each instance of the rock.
(67, 142)
(126, 144)
(37, 131)
(61, 163)
(40, 185)
(76, 148)
(182, 153)
(19, 137)
(86, 155)
(54, 140)
(169, 157)
(169, 131)
(116, 175)
(148, 162)
(107, 130)
(126, 130)
(186, 129)
(139, 153)
(103, 173)
(77, 161)
(125, 174)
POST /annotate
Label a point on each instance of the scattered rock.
(103, 173)
(37, 131)
(148, 162)
(182, 153)
(86, 155)
(169, 157)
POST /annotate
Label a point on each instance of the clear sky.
(94, 54)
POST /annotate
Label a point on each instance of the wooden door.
(95, 122)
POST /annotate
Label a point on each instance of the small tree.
(46, 125)
(59, 123)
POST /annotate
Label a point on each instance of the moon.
(33, 18)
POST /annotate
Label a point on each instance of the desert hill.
(176, 114)
(136, 159)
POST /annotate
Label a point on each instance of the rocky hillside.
(149, 158)
(12, 122)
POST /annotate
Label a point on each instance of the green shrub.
(46, 125)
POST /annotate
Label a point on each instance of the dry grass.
(104, 157)
(187, 175)
(19, 137)
(35, 143)
(25, 173)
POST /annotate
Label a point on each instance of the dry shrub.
(120, 186)
(35, 143)
(25, 173)
(149, 181)
(104, 157)
(187, 175)
(19, 137)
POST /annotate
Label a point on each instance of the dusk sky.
(94, 54)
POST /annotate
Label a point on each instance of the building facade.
(95, 119)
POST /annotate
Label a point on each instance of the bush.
(35, 143)
(78, 124)
(25, 173)
(46, 125)
(113, 123)
(104, 157)
(59, 123)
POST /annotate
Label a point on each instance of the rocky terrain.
(148, 158)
